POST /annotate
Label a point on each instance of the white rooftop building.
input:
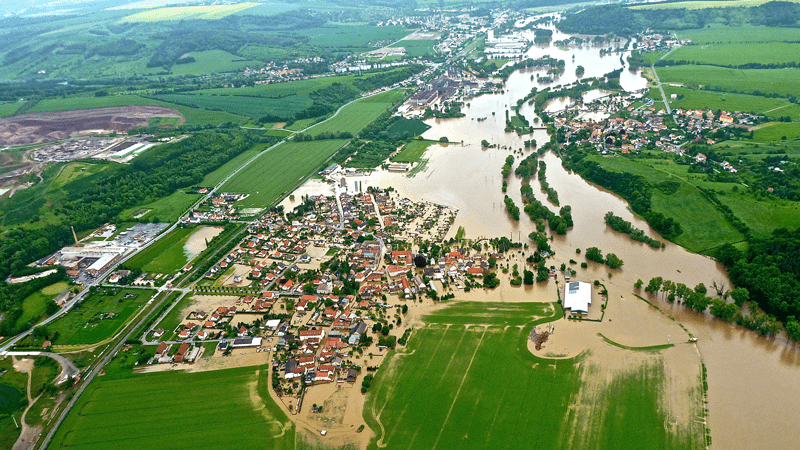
(578, 297)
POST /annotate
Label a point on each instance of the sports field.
(467, 380)
(176, 410)
(357, 115)
(88, 322)
(279, 170)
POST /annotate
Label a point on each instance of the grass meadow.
(279, 170)
(166, 209)
(34, 305)
(83, 324)
(165, 255)
(413, 151)
(467, 380)
(177, 410)
(704, 227)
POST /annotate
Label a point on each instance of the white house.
(577, 297)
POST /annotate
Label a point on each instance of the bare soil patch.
(36, 128)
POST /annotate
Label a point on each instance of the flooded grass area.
(164, 256)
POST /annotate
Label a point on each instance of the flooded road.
(754, 383)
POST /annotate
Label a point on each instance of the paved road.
(658, 81)
(68, 369)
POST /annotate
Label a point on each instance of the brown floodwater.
(754, 383)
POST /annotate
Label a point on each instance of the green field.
(167, 209)
(352, 37)
(467, 380)
(704, 227)
(156, 411)
(779, 81)
(726, 101)
(406, 128)
(211, 12)
(35, 304)
(412, 151)
(276, 172)
(777, 131)
(82, 325)
(738, 54)
(193, 116)
(357, 115)
(215, 177)
(283, 99)
(416, 48)
(165, 255)
(9, 109)
(730, 35)
(213, 61)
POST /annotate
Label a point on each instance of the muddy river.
(754, 383)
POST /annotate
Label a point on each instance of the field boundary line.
(458, 392)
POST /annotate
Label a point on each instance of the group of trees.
(623, 226)
(12, 295)
(698, 300)
(596, 255)
(633, 188)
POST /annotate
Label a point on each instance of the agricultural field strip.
(91, 428)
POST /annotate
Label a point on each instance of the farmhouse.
(578, 297)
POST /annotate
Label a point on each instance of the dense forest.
(770, 270)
